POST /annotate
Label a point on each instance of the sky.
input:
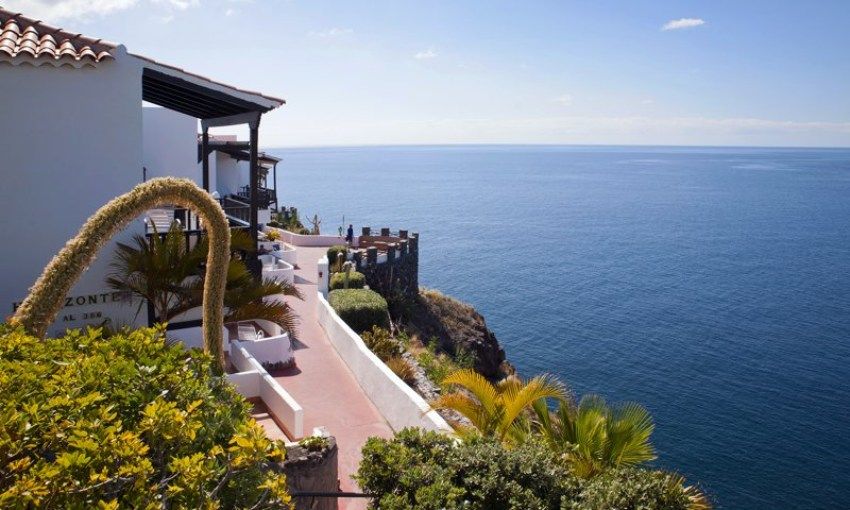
(660, 72)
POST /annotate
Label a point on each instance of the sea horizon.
(700, 282)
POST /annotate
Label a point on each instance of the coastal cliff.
(458, 331)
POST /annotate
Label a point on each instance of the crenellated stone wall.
(390, 263)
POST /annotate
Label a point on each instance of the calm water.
(712, 285)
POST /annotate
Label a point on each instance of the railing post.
(391, 253)
(385, 232)
(366, 231)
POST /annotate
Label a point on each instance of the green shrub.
(427, 470)
(314, 443)
(381, 343)
(128, 422)
(333, 254)
(361, 309)
(636, 488)
(356, 280)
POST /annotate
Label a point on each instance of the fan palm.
(156, 270)
(168, 274)
(497, 410)
(594, 437)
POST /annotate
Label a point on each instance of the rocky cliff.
(458, 327)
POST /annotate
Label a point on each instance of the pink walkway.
(324, 386)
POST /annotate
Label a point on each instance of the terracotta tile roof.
(25, 40)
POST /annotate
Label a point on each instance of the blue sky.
(601, 72)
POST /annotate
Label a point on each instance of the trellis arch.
(47, 295)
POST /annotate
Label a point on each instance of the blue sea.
(711, 285)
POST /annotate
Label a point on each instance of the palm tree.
(497, 410)
(594, 437)
(168, 274)
(157, 270)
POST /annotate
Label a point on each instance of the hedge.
(333, 252)
(356, 280)
(361, 309)
(128, 421)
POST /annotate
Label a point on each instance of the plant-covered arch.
(46, 297)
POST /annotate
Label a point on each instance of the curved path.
(324, 386)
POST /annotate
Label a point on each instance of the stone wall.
(394, 272)
(316, 471)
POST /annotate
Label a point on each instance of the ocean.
(712, 285)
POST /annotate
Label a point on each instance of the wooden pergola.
(216, 105)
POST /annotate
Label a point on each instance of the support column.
(276, 205)
(254, 177)
(205, 154)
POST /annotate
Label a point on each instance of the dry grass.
(402, 369)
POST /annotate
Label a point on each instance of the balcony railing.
(265, 196)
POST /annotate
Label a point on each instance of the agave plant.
(497, 410)
(168, 274)
(594, 437)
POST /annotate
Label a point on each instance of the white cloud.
(332, 32)
(681, 23)
(564, 100)
(426, 54)
(647, 102)
(53, 11)
(181, 5)
(230, 12)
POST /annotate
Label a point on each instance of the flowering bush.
(126, 421)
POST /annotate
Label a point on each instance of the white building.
(74, 134)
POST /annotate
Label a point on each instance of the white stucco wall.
(228, 174)
(170, 144)
(70, 140)
(399, 404)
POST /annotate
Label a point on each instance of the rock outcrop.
(458, 327)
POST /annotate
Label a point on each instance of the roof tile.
(26, 40)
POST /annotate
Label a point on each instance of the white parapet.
(399, 404)
(255, 381)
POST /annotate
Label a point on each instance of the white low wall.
(247, 383)
(280, 403)
(192, 337)
(307, 240)
(400, 405)
(277, 269)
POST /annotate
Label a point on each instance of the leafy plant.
(167, 273)
(381, 343)
(314, 443)
(272, 235)
(496, 410)
(427, 470)
(356, 280)
(402, 368)
(594, 437)
(130, 422)
(361, 309)
(638, 488)
(334, 262)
